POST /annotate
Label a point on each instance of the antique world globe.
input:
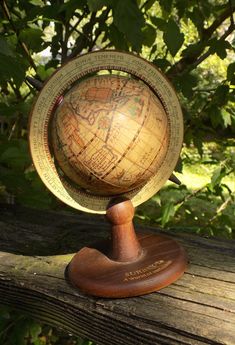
(109, 134)
(105, 135)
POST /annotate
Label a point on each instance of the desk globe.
(103, 142)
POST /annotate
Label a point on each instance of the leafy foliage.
(179, 37)
(192, 42)
(172, 36)
(208, 209)
(18, 329)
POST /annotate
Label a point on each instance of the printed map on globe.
(106, 123)
(109, 134)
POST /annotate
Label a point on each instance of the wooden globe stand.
(128, 264)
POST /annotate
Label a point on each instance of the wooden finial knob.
(120, 211)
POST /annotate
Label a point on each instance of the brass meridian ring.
(55, 87)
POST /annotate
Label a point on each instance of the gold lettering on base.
(147, 271)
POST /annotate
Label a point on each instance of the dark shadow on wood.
(47, 233)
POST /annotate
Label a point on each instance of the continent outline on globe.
(55, 88)
(120, 156)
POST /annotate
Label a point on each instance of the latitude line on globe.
(88, 144)
(115, 108)
(129, 146)
(163, 101)
(84, 148)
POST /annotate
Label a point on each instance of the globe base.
(161, 262)
(128, 264)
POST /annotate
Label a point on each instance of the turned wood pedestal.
(127, 264)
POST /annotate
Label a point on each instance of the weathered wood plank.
(36, 246)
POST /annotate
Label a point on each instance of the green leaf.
(226, 116)
(197, 18)
(36, 200)
(162, 63)
(19, 333)
(168, 211)
(207, 8)
(32, 37)
(95, 5)
(149, 33)
(148, 4)
(34, 329)
(166, 5)
(159, 23)
(39, 3)
(6, 48)
(219, 47)
(193, 49)
(117, 38)
(221, 94)
(185, 83)
(12, 68)
(129, 20)
(11, 110)
(181, 6)
(214, 115)
(226, 220)
(16, 155)
(153, 50)
(172, 36)
(70, 7)
(44, 72)
(231, 73)
(53, 11)
(8, 110)
(217, 176)
(197, 141)
(27, 188)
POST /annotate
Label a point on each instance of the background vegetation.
(192, 42)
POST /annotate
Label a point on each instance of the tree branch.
(79, 19)
(218, 212)
(207, 33)
(22, 44)
(64, 42)
(231, 12)
(206, 54)
(192, 60)
(144, 4)
(86, 37)
(16, 91)
(100, 20)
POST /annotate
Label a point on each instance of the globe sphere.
(109, 135)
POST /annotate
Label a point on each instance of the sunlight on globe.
(109, 134)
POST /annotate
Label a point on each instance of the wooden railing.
(36, 246)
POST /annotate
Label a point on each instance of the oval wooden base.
(161, 262)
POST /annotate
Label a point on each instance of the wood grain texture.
(35, 247)
(125, 245)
